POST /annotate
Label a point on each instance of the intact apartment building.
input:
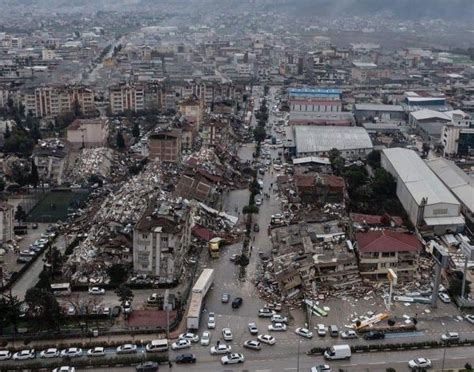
(52, 101)
(381, 250)
(6, 222)
(165, 146)
(458, 135)
(160, 241)
(125, 97)
(88, 132)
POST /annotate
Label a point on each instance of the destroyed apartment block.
(51, 157)
(161, 239)
(381, 250)
(311, 254)
(318, 187)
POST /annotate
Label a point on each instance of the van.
(333, 331)
(157, 345)
(337, 352)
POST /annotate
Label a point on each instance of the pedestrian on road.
(218, 342)
(170, 364)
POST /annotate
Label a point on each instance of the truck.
(338, 352)
(199, 291)
(214, 246)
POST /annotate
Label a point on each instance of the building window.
(145, 236)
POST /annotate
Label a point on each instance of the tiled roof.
(387, 241)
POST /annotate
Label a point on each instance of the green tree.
(259, 134)
(136, 129)
(10, 311)
(124, 293)
(120, 141)
(118, 273)
(374, 159)
(383, 184)
(7, 133)
(356, 177)
(44, 307)
(337, 161)
(20, 214)
(455, 287)
(34, 176)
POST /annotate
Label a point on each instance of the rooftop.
(378, 107)
(387, 241)
(310, 139)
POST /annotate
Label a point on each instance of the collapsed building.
(51, 158)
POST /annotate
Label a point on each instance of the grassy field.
(55, 206)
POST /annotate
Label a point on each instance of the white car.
(50, 353)
(348, 334)
(181, 344)
(253, 329)
(227, 334)
(419, 363)
(444, 297)
(265, 313)
(267, 339)
(65, 369)
(450, 336)
(5, 355)
(211, 320)
(205, 338)
(96, 291)
(321, 368)
(233, 358)
(221, 349)
(321, 330)
(106, 311)
(278, 318)
(304, 332)
(252, 344)
(71, 352)
(96, 352)
(127, 349)
(470, 318)
(189, 336)
(277, 327)
(25, 354)
(152, 299)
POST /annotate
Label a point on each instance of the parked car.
(24, 354)
(237, 302)
(127, 307)
(96, 352)
(233, 358)
(189, 336)
(225, 298)
(185, 358)
(50, 353)
(96, 291)
(348, 334)
(5, 354)
(234, 258)
(304, 332)
(277, 327)
(252, 344)
(470, 318)
(147, 367)
(444, 297)
(205, 338)
(253, 328)
(71, 352)
(278, 318)
(65, 369)
(106, 311)
(419, 363)
(450, 336)
(321, 368)
(267, 339)
(265, 313)
(127, 349)
(374, 336)
(181, 344)
(152, 299)
(211, 320)
(227, 334)
(256, 228)
(221, 349)
(321, 330)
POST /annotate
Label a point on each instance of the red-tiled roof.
(387, 241)
(202, 233)
(333, 181)
(372, 219)
(304, 181)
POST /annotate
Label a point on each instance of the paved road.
(371, 362)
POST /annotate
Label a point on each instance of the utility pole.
(298, 360)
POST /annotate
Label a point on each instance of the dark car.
(147, 367)
(185, 358)
(116, 310)
(256, 228)
(237, 303)
(374, 336)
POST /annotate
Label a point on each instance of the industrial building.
(460, 184)
(309, 140)
(427, 201)
(365, 111)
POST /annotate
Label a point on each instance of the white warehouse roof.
(455, 179)
(312, 138)
(378, 107)
(420, 181)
